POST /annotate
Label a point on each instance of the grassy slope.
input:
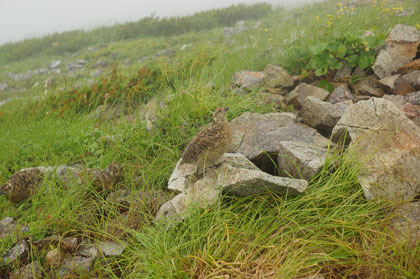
(331, 229)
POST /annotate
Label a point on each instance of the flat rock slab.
(389, 146)
(303, 90)
(233, 173)
(111, 248)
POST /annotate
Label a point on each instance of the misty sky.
(20, 19)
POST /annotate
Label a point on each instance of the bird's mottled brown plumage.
(210, 142)
(105, 179)
(21, 185)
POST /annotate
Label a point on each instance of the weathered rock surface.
(79, 64)
(232, 173)
(414, 79)
(340, 94)
(54, 64)
(276, 76)
(19, 252)
(298, 95)
(406, 223)
(410, 67)
(397, 85)
(32, 270)
(389, 144)
(400, 48)
(3, 86)
(8, 227)
(111, 248)
(248, 80)
(410, 110)
(322, 115)
(368, 87)
(53, 257)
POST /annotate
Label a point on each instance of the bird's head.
(6, 190)
(220, 115)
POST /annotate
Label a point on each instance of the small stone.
(389, 83)
(298, 95)
(276, 76)
(340, 94)
(19, 252)
(54, 64)
(110, 248)
(413, 98)
(248, 80)
(368, 87)
(275, 99)
(53, 257)
(403, 87)
(8, 228)
(411, 111)
(69, 244)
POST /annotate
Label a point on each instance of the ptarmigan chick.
(209, 143)
(21, 185)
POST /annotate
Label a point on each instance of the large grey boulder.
(303, 90)
(400, 48)
(388, 144)
(233, 173)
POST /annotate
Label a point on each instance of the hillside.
(102, 117)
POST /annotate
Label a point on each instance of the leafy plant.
(357, 51)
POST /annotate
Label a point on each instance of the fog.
(20, 19)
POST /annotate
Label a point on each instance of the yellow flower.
(330, 16)
(351, 9)
(265, 30)
(340, 10)
(339, 5)
(374, 2)
(367, 49)
(317, 18)
(329, 23)
(365, 43)
(386, 10)
(339, 17)
(417, 26)
(401, 9)
(345, 8)
(270, 39)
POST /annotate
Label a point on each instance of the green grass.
(331, 229)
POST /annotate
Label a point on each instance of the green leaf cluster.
(357, 51)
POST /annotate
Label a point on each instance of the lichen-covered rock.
(340, 94)
(248, 80)
(298, 95)
(111, 248)
(406, 223)
(19, 252)
(389, 145)
(8, 227)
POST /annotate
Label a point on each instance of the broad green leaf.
(317, 49)
(353, 60)
(326, 85)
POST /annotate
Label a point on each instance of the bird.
(103, 179)
(210, 143)
(22, 185)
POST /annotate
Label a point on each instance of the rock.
(100, 64)
(301, 160)
(396, 85)
(322, 115)
(275, 99)
(79, 64)
(187, 46)
(77, 264)
(414, 79)
(19, 252)
(397, 100)
(3, 86)
(231, 31)
(96, 73)
(358, 73)
(110, 248)
(409, 67)
(413, 98)
(53, 257)
(165, 53)
(103, 179)
(406, 12)
(143, 59)
(54, 64)
(344, 73)
(406, 223)
(87, 250)
(400, 48)
(248, 80)
(150, 112)
(276, 91)
(255, 134)
(69, 244)
(233, 173)
(389, 144)
(8, 228)
(368, 87)
(340, 94)
(275, 76)
(410, 110)
(32, 270)
(298, 95)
